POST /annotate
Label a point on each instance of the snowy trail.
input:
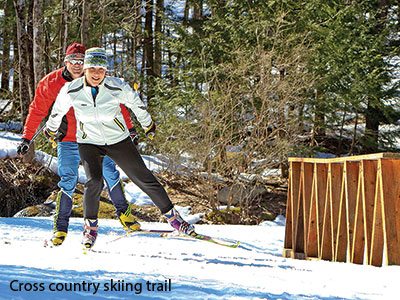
(196, 269)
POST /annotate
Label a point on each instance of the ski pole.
(53, 142)
(37, 133)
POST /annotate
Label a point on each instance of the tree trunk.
(169, 74)
(29, 18)
(132, 54)
(137, 31)
(319, 119)
(197, 15)
(5, 62)
(122, 54)
(158, 38)
(186, 13)
(148, 49)
(115, 41)
(198, 10)
(15, 64)
(47, 51)
(282, 133)
(24, 67)
(38, 42)
(372, 120)
(148, 39)
(63, 31)
(85, 23)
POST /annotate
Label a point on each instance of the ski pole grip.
(53, 144)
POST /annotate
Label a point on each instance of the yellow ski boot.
(128, 221)
(58, 238)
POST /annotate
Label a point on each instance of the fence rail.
(344, 209)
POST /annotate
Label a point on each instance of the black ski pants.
(126, 156)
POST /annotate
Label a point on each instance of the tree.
(158, 38)
(25, 72)
(63, 30)
(7, 38)
(376, 112)
(85, 22)
(245, 71)
(38, 41)
(352, 67)
(148, 40)
(15, 66)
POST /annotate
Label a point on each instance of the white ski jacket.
(99, 120)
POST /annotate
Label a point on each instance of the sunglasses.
(75, 61)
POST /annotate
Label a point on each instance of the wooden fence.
(344, 209)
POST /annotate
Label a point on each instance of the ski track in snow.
(197, 269)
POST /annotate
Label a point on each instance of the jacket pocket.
(120, 125)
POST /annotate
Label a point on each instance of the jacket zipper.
(97, 116)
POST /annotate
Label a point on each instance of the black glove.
(134, 136)
(23, 148)
(150, 131)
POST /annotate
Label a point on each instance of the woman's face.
(95, 75)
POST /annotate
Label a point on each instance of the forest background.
(235, 87)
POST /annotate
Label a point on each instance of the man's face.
(74, 64)
(95, 75)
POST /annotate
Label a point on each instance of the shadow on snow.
(75, 285)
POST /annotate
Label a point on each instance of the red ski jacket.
(45, 95)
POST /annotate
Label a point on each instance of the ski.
(167, 234)
(141, 231)
(49, 244)
(203, 237)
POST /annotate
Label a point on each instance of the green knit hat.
(95, 57)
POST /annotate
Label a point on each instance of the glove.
(150, 131)
(134, 136)
(23, 148)
(53, 136)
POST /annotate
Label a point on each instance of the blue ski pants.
(68, 165)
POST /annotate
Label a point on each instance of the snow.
(196, 269)
(8, 144)
(181, 268)
(5, 106)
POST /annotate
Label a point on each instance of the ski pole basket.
(344, 209)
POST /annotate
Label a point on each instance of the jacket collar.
(87, 84)
(66, 75)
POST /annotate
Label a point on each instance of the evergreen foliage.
(253, 80)
(354, 61)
